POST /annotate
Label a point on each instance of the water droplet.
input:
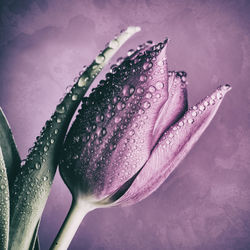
(113, 44)
(152, 89)
(143, 78)
(119, 60)
(74, 97)
(146, 105)
(117, 119)
(82, 81)
(226, 87)
(131, 132)
(190, 120)
(141, 111)
(212, 102)
(147, 65)
(219, 95)
(130, 52)
(128, 90)
(201, 108)
(100, 59)
(159, 85)
(158, 95)
(45, 149)
(60, 109)
(45, 178)
(99, 118)
(56, 131)
(181, 123)
(121, 105)
(103, 131)
(194, 113)
(52, 141)
(149, 42)
(58, 120)
(148, 95)
(37, 166)
(2, 187)
(140, 90)
(206, 103)
(75, 157)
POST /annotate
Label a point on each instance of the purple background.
(205, 203)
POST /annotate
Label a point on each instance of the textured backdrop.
(205, 203)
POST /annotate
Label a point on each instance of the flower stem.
(70, 225)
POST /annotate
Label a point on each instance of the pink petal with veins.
(173, 146)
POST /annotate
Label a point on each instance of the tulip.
(130, 134)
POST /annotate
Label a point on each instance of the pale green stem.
(70, 225)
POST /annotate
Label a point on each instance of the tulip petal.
(173, 146)
(175, 106)
(112, 136)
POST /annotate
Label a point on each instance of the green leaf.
(9, 150)
(35, 240)
(33, 181)
(4, 205)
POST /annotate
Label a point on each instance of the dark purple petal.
(111, 137)
(173, 146)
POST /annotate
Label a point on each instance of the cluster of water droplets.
(4, 200)
(192, 116)
(112, 116)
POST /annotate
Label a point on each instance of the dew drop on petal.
(130, 52)
(146, 105)
(219, 95)
(121, 105)
(103, 131)
(82, 81)
(190, 120)
(201, 108)
(212, 102)
(206, 103)
(143, 78)
(181, 123)
(141, 111)
(147, 65)
(158, 95)
(113, 44)
(139, 90)
(131, 132)
(152, 89)
(45, 178)
(74, 97)
(58, 120)
(117, 119)
(60, 109)
(194, 113)
(100, 59)
(159, 85)
(37, 165)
